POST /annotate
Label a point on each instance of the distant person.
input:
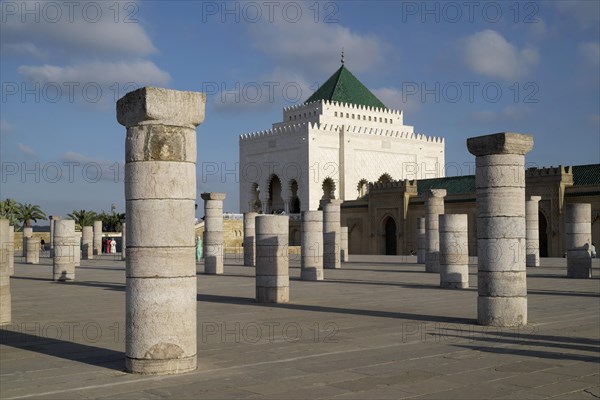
(113, 246)
(198, 248)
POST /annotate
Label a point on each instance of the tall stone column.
(434, 207)
(311, 246)
(213, 232)
(53, 219)
(578, 230)
(87, 242)
(5, 298)
(160, 194)
(532, 257)
(123, 240)
(331, 233)
(421, 249)
(27, 233)
(344, 244)
(500, 185)
(10, 250)
(97, 238)
(64, 250)
(33, 251)
(272, 262)
(250, 239)
(77, 248)
(454, 251)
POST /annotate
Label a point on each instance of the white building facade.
(326, 148)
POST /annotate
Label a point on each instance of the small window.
(335, 113)
(352, 116)
(347, 115)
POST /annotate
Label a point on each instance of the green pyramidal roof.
(343, 87)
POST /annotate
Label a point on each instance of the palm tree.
(8, 210)
(29, 212)
(83, 217)
(111, 222)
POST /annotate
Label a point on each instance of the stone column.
(434, 206)
(97, 238)
(160, 194)
(77, 248)
(311, 246)
(532, 257)
(124, 240)
(250, 239)
(331, 233)
(27, 233)
(5, 298)
(87, 242)
(64, 250)
(10, 250)
(454, 251)
(578, 230)
(213, 232)
(33, 251)
(53, 219)
(421, 250)
(500, 185)
(272, 262)
(344, 244)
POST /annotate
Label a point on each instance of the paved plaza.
(379, 328)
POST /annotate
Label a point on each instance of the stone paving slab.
(379, 328)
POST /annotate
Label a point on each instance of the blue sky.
(457, 69)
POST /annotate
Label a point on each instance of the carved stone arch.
(274, 191)
(294, 197)
(389, 234)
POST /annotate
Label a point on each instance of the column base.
(311, 274)
(280, 294)
(161, 367)
(502, 311)
(454, 285)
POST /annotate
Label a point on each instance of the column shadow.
(83, 353)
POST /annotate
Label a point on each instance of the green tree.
(29, 212)
(8, 210)
(111, 222)
(83, 217)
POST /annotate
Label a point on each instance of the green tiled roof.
(343, 87)
(453, 185)
(586, 174)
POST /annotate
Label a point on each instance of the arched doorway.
(294, 200)
(275, 200)
(391, 248)
(543, 234)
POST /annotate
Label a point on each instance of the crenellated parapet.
(403, 185)
(289, 129)
(548, 171)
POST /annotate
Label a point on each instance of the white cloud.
(394, 98)
(143, 72)
(490, 54)
(90, 28)
(590, 52)
(278, 88)
(313, 49)
(28, 151)
(23, 48)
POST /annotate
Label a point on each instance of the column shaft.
(500, 185)
(64, 250)
(213, 233)
(5, 297)
(578, 230)
(250, 239)
(272, 265)
(454, 251)
(434, 206)
(331, 233)
(160, 194)
(421, 248)
(532, 235)
(311, 246)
